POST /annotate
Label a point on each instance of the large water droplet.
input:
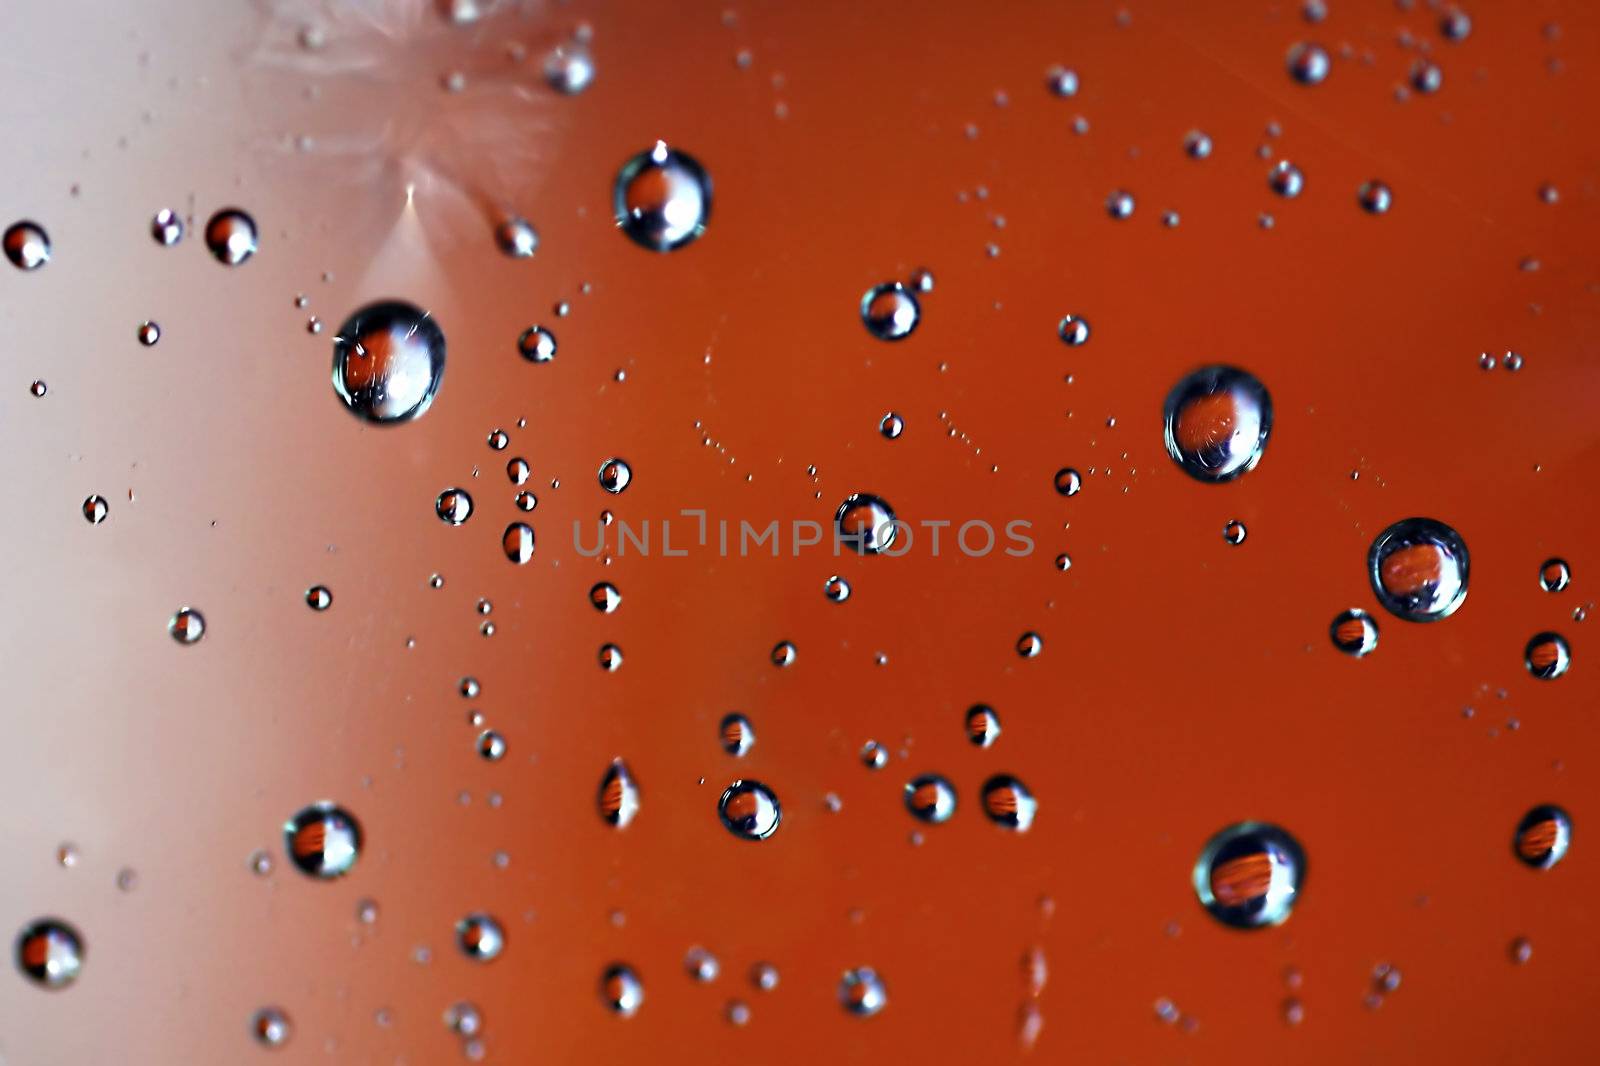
(537, 344)
(749, 810)
(862, 992)
(95, 510)
(50, 952)
(1418, 569)
(890, 311)
(618, 799)
(662, 198)
(231, 236)
(453, 506)
(388, 362)
(621, 990)
(614, 475)
(1217, 422)
(517, 542)
(1543, 836)
(26, 245)
(1008, 803)
(1554, 575)
(1354, 632)
(480, 937)
(1547, 656)
(1249, 875)
(930, 798)
(323, 840)
(865, 523)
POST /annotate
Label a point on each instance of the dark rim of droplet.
(1410, 531)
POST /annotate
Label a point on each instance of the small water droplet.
(568, 69)
(1120, 204)
(1286, 180)
(764, 975)
(187, 625)
(891, 426)
(537, 344)
(1073, 330)
(166, 228)
(480, 937)
(517, 542)
(516, 237)
(1375, 197)
(621, 990)
(95, 510)
(319, 598)
(1308, 63)
(231, 236)
(463, 1019)
(983, 725)
(1061, 81)
(1234, 532)
(491, 746)
(1008, 803)
(930, 798)
(618, 799)
(271, 1027)
(866, 523)
(737, 734)
(1547, 656)
(614, 475)
(26, 245)
(836, 589)
(862, 992)
(1543, 836)
(453, 506)
(323, 840)
(1426, 77)
(701, 965)
(1554, 575)
(1354, 632)
(783, 654)
(749, 810)
(1029, 645)
(1197, 144)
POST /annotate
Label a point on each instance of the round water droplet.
(618, 799)
(1068, 481)
(480, 937)
(930, 798)
(621, 990)
(865, 523)
(605, 597)
(701, 965)
(1426, 77)
(516, 237)
(38, 388)
(1217, 422)
(50, 952)
(1547, 656)
(231, 236)
(662, 198)
(1354, 632)
(891, 426)
(1543, 836)
(491, 746)
(783, 654)
(1249, 875)
(874, 756)
(463, 1019)
(568, 69)
(749, 810)
(1309, 63)
(453, 506)
(1554, 575)
(537, 344)
(149, 333)
(890, 311)
(1234, 532)
(518, 471)
(1455, 25)
(1196, 144)
(836, 589)
(26, 245)
(1286, 179)
(517, 542)
(319, 598)
(1374, 197)
(610, 658)
(1008, 803)
(738, 735)
(922, 280)
(166, 228)
(1029, 645)
(764, 976)
(614, 475)
(469, 688)
(862, 992)
(983, 725)
(1061, 81)
(1418, 570)
(1073, 330)
(95, 510)
(388, 362)
(498, 439)
(1120, 204)
(323, 840)
(187, 626)
(271, 1027)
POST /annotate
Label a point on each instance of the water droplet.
(1426, 77)
(149, 333)
(319, 598)
(862, 992)
(1196, 144)
(1061, 81)
(231, 236)
(1354, 632)
(1547, 656)
(662, 198)
(983, 725)
(1008, 803)
(1119, 205)
(783, 654)
(1308, 63)
(1512, 361)
(922, 280)
(1073, 330)
(67, 855)
(1455, 25)
(1418, 569)
(930, 798)
(764, 976)
(518, 471)
(1286, 179)
(260, 863)
(537, 344)
(166, 228)
(568, 69)
(516, 237)
(749, 810)
(26, 245)
(1554, 574)
(738, 735)
(701, 964)
(50, 952)
(491, 745)
(95, 510)
(1217, 422)
(1234, 532)
(1521, 950)
(619, 795)
(271, 1027)
(480, 937)
(463, 1019)
(38, 388)
(388, 362)
(890, 311)
(1374, 197)
(605, 597)
(891, 426)
(621, 990)
(127, 879)
(1068, 481)
(836, 589)
(498, 440)
(517, 542)
(323, 840)
(187, 625)
(874, 756)
(1063, 562)
(614, 475)
(738, 1012)
(1543, 836)
(610, 658)
(1249, 874)
(865, 523)
(1029, 645)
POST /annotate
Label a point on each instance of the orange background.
(1184, 684)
